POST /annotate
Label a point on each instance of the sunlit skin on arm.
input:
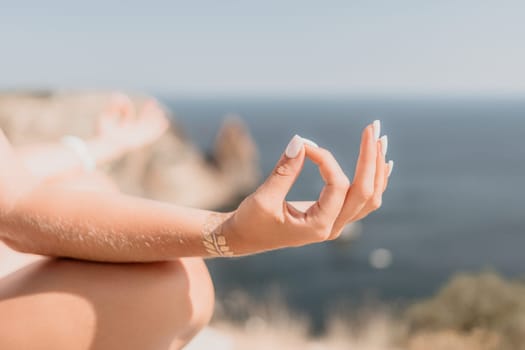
(55, 220)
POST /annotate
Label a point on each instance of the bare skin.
(70, 304)
(56, 220)
(50, 218)
(67, 304)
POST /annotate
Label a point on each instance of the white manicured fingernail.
(310, 142)
(294, 147)
(390, 167)
(384, 144)
(377, 128)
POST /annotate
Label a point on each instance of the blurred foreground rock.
(172, 169)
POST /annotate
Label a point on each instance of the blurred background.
(447, 80)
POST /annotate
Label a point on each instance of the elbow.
(21, 246)
(16, 245)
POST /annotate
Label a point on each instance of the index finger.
(332, 197)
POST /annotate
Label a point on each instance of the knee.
(178, 295)
(169, 302)
(198, 290)
(181, 296)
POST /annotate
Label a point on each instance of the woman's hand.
(126, 130)
(266, 221)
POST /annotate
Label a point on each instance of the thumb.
(286, 171)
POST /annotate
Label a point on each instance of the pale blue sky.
(265, 47)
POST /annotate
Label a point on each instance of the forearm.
(97, 226)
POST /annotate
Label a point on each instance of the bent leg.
(67, 304)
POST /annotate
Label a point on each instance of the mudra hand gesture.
(128, 130)
(266, 221)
